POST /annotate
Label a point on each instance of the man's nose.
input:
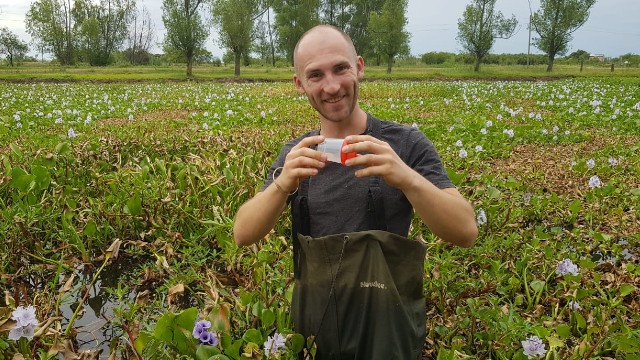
(331, 84)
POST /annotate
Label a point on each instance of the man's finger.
(309, 141)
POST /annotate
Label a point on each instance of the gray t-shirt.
(338, 200)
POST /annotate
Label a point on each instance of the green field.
(117, 202)
(52, 72)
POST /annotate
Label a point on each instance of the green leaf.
(537, 285)
(456, 178)
(141, 341)
(187, 318)
(245, 297)
(564, 331)
(63, 148)
(267, 318)
(90, 228)
(7, 165)
(164, 327)
(635, 192)
(626, 289)
(231, 348)
(554, 342)
(22, 181)
(253, 335)
(42, 177)
(134, 205)
(296, 343)
(493, 193)
(218, 357)
(541, 331)
(578, 321)
(206, 352)
(16, 150)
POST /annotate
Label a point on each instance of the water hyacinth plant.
(26, 322)
(142, 167)
(533, 347)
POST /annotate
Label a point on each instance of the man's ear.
(360, 67)
(298, 83)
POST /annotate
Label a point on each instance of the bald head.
(320, 34)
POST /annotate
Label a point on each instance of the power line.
(610, 32)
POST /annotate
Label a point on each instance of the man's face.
(328, 72)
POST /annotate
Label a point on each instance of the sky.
(613, 29)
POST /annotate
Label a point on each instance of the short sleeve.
(423, 158)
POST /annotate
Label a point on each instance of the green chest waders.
(360, 295)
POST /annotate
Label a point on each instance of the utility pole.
(529, 46)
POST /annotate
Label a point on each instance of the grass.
(143, 185)
(40, 72)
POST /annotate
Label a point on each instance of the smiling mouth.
(334, 100)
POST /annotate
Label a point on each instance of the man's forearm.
(447, 213)
(258, 216)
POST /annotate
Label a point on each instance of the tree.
(555, 21)
(11, 45)
(141, 36)
(336, 12)
(294, 18)
(480, 26)
(236, 21)
(357, 28)
(388, 28)
(102, 27)
(51, 24)
(186, 32)
(263, 43)
(581, 56)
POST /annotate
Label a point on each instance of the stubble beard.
(340, 116)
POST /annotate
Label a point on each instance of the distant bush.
(629, 60)
(437, 58)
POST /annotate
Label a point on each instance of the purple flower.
(274, 344)
(200, 327)
(533, 347)
(25, 316)
(591, 163)
(463, 153)
(209, 338)
(481, 217)
(71, 133)
(566, 266)
(573, 305)
(22, 331)
(594, 182)
(26, 322)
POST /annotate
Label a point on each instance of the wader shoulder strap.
(375, 203)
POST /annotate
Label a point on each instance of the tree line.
(554, 23)
(90, 31)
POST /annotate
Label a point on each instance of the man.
(397, 171)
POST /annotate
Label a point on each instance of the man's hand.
(379, 159)
(444, 211)
(301, 163)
